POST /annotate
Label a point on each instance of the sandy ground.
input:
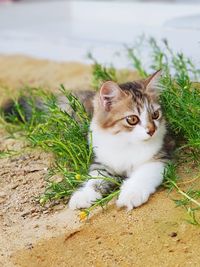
(155, 234)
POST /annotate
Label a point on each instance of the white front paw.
(83, 198)
(133, 197)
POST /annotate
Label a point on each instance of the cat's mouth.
(148, 137)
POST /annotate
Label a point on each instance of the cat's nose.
(151, 130)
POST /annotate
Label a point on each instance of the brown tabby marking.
(133, 97)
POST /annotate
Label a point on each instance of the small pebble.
(14, 186)
(173, 234)
(2, 201)
(25, 213)
(45, 211)
(2, 194)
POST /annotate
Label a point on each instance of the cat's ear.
(110, 92)
(152, 83)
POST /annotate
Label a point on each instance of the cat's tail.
(21, 109)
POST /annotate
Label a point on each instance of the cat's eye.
(155, 115)
(132, 120)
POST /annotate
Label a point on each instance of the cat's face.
(131, 110)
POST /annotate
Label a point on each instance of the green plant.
(181, 104)
(101, 73)
(65, 135)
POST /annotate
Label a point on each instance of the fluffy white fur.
(142, 183)
(84, 197)
(130, 154)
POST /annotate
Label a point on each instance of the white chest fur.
(121, 154)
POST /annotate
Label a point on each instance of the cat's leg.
(140, 185)
(92, 190)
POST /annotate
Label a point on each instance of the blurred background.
(67, 30)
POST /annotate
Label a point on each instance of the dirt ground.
(155, 234)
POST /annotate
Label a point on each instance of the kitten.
(129, 141)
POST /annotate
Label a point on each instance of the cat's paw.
(83, 198)
(134, 197)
